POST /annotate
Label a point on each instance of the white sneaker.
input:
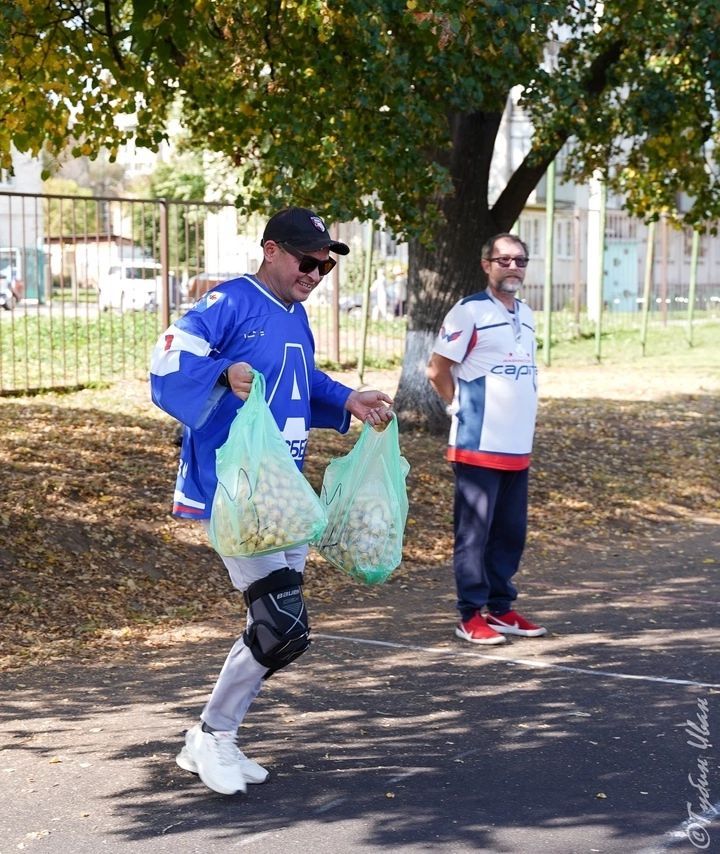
(252, 771)
(215, 758)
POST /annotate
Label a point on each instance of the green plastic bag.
(367, 505)
(262, 503)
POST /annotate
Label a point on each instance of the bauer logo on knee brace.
(279, 631)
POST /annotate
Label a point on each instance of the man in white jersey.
(483, 367)
(201, 373)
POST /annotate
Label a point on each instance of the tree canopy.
(355, 103)
(392, 108)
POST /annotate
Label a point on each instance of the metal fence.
(88, 283)
(641, 263)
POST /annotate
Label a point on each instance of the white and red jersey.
(495, 400)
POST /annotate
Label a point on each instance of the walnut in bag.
(367, 506)
(262, 502)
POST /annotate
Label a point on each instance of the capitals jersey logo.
(449, 336)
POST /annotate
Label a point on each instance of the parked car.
(9, 297)
(393, 304)
(131, 285)
(11, 284)
(387, 299)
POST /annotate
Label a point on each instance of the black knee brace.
(279, 630)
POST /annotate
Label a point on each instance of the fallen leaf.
(91, 553)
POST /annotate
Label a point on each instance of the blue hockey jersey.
(239, 321)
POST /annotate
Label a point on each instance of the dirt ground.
(91, 556)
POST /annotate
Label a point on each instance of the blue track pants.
(490, 528)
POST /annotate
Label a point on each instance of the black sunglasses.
(506, 260)
(307, 263)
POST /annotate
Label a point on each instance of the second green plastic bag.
(262, 503)
(367, 505)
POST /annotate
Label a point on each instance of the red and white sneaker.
(476, 630)
(512, 623)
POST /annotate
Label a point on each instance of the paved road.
(392, 735)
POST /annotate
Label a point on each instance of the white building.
(21, 230)
(576, 240)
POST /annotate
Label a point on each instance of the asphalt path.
(391, 734)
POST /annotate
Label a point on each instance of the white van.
(131, 285)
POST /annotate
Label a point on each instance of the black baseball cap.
(303, 229)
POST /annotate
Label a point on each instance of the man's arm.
(440, 376)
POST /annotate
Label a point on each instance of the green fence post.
(647, 286)
(549, 246)
(601, 283)
(335, 306)
(164, 264)
(693, 283)
(366, 300)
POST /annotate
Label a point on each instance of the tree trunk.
(440, 275)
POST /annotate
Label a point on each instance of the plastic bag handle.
(258, 384)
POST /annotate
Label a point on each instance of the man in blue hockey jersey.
(201, 371)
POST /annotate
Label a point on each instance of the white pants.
(241, 676)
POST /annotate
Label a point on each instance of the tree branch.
(111, 35)
(178, 56)
(526, 177)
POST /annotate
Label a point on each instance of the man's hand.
(240, 377)
(440, 374)
(370, 406)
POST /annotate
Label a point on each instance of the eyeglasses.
(506, 260)
(307, 263)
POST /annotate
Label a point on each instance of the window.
(564, 238)
(530, 232)
(528, 227)
(687, 245)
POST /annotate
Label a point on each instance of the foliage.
(386, 109)
(65, 216)
(97, 174)
(366, 98)
(651, 123)
(182, 178)
(68, 70)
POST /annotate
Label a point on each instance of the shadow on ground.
(424, 743)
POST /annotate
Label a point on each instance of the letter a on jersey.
(293, 388)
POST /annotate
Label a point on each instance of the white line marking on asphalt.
(413, 772)
(694, 830)
(329, 805)
(256, 837)
(526, 662)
